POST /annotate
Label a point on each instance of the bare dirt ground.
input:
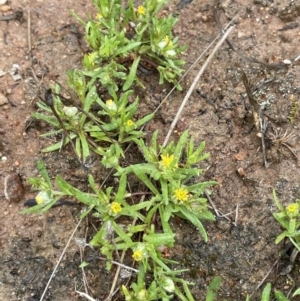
(241, 248)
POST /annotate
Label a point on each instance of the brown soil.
(241, 249)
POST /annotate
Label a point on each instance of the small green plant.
(215, 284)
(167, 176)
(122, 38)
(114, 122)
(289, 219)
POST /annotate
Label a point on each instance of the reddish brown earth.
(241, 250)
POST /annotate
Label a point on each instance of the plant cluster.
(125, 38)
(168, 178)
(121, 39)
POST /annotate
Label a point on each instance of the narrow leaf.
(213, 288)
(195, 221)
(43, 171)
(132, 73)
(265, 296)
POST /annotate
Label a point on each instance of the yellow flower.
(167, 160)
(99, 16)
(129, 122)
(141, 10)
(292, 209)
(168, 41)
(137, 255)
(115, 208)
(165, 42)
(181, 194)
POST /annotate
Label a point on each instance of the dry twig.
(188, 94)
(59, 260)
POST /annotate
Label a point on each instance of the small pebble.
(241, 171)
(13, 188)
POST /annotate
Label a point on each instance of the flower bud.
(70, 111)
(111, 105)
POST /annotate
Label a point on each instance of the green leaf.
(145, 119)
(142, 176)
(40, 208)
(58, 145)
(294, 243)
(281, 217)
(132, 74)
(194, 220)
(99, 237)
(43, 171)
(164, 190)
(280, 237)
(200, 187)
(213, 288)
(165, 214)
(68, 189)
(87, 211)
(280, 207)
(49, 119)
(159, 262)
(83, 264)
(265, 296)
(180, 144)
(280, 296)
(84, 145)
(77, 18)
(297, 292)
(187, 291)
(92, 183)
(292, 226)
(181, 295)
(121, 233)
(160, 239)
(127, 48)
(121, 189)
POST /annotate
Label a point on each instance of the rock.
(15, 72)
(5, 8)
(2, 2)
(13, 188)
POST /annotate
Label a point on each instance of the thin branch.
(263, 280)
(194, 84)
(59, 260)
(236, 214)
(29, 32)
